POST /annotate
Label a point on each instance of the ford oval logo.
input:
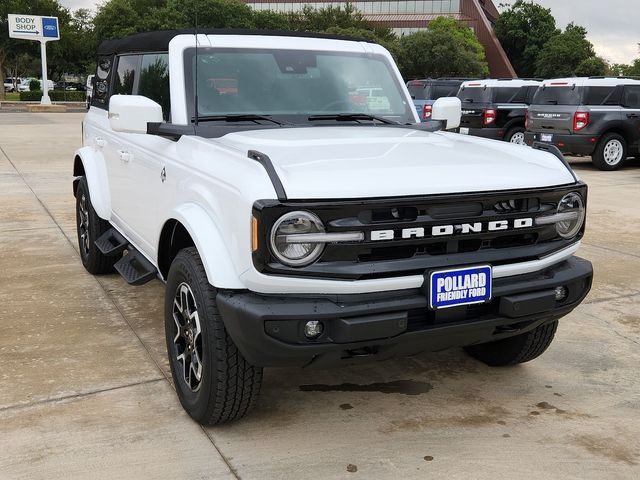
(49, 27)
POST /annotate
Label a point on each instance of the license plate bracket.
(459, 286)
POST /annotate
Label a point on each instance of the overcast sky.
(613, 25)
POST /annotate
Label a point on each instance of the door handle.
(99, 142)
(125, 156)
(633, 115)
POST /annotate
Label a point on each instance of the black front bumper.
(576, 144)
(269, 329)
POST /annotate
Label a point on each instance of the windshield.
(557, 96)
(293, 84)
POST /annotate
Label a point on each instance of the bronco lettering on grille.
(448, 230)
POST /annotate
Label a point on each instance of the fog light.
(313, 329)
(561, 293)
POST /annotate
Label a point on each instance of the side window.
(631, 97)
(154, 81)
(602, 96)
(100, 96)
(507, 95)
(530, 93)
(126, 75)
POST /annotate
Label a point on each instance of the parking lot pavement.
(85, 389)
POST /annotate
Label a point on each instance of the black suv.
(497, 108)
(595, 116)
(425, 92)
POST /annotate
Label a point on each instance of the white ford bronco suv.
(298, 222)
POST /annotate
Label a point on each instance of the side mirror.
(447, 110)
(131, 113)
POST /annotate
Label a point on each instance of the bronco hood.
(360, 162)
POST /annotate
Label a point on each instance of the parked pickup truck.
(298, 229)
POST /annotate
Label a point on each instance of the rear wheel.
(515, 135)
(611, 152)
(90, 227)
(215, 384)
(513, 350)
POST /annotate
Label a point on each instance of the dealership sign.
(42, 29)
(32, 27)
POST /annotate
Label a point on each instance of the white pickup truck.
(297, 222)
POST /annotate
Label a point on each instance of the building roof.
(158, 41)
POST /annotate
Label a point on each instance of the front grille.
(409, 256)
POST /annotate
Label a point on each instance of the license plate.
(464, 130)
(462, 286)
(546, 137)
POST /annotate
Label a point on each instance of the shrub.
(54, 95)
(63, 96)
(31, 96)
(34, 85)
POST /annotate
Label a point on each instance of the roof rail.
(619, 77)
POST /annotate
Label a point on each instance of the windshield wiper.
(348, 117)
(241, 117)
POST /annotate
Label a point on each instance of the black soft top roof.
(158, 41)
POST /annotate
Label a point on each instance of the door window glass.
(126, 75)
(154, 80)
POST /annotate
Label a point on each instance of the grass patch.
(12, 97)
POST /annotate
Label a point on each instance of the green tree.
(447, 48)
(631, 70)
(117, 18)
(569, 53)
(523, 29)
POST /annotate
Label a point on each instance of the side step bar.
(111, 243)
(133, 266)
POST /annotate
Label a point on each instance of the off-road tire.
(229, 385)
(512, 132)
(513, 350)
(599, 157)
(94, 260)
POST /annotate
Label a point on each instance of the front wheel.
(90, 227)
(518, 349)
(214, 383)
(515, 135)
(611, 152)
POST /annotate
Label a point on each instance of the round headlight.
(572, 207)
(296, 254)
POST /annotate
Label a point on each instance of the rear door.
(553, 109)
(510, 106)
(475, 99)
(631, 112)
(419, 91)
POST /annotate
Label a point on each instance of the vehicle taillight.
(526, 120)
(489, 116)
(580, 120)
(426, 112)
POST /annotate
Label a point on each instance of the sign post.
(41, 29)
